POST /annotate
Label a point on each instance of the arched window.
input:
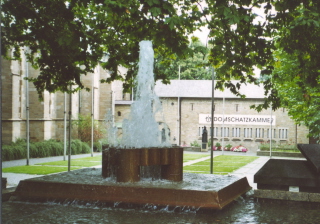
(119, 113)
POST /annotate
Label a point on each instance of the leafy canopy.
(68, 38)
(65, 39)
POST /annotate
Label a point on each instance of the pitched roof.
(203, 89)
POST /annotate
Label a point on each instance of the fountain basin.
(128, 165)
(197, 190)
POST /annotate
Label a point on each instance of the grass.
(84, 163)
(192, 156)
(222, 164)
(55, 167)
(37, 170)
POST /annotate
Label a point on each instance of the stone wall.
(191, 129)
(46, 118)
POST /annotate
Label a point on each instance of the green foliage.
(218, 144)
(18, 149)
(195, 143)
(79, 147)
(279, 148)
(68, 38)
(192, 66)
(83, 128)
(228, 146)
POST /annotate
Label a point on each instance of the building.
(187, 109)
(47, 118)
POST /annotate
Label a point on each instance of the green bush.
(18, 150)
(281, 147)
(195, 143)
(97, 146)
(83, 128)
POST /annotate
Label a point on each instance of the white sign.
(238, 119)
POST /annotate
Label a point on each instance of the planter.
(192, 149)
(280, 154)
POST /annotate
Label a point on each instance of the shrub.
(83, 128)
(217, 146)
(228, 147)
(281, 147)
(195, 143)
(18, 150)
(97, 146)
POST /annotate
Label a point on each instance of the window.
(119, 113)
(237, 107)
(236, 132)
(191, 106)
(283, 133)
(259, 133)
(247, 132)
(224, 132)
(273, 133)
(215, 133)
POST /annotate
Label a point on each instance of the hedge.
(18, 149)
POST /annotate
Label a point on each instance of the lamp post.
(212, 123)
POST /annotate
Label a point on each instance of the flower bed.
(239, 148)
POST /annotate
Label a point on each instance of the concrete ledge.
(280, 154)
(287, 195)
(192, 149)
(7, 194)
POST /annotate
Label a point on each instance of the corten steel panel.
(144, 159)
(125, 163)
(164, 156)
(312, 154)
(230, 192)
(46, 190)
(150, 156)
(109, 162)
(128, 169)
(174, 171)
(154, 156)
(280, 174)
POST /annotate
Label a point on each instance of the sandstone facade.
(46, 118)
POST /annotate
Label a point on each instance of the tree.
(284, 45)
(65, 39)
(193, 66)
(241, 42)
(302, 101)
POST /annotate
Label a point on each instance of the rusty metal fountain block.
(125, 164)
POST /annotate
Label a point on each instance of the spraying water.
(141, 129)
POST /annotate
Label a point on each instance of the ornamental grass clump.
(18, 150)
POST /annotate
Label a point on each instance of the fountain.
(143, 168)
